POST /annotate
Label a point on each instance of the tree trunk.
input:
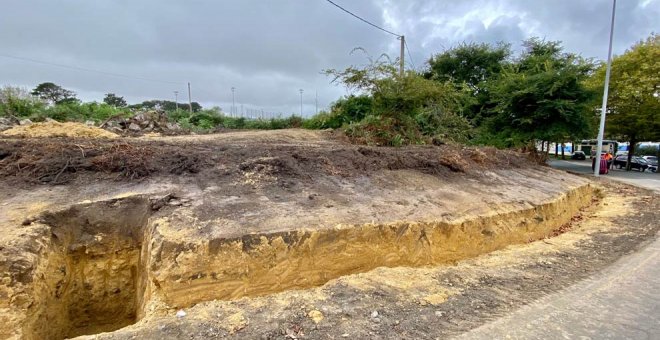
(556, 150)
(562, 151)
(631, 151)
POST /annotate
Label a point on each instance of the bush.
(395, 109)
(75, 111)
(443, 125)
(18, 102)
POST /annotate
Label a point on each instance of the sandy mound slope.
(57, 129)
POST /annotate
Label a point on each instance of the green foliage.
(344, 111)
(542, 96)
(114, 100)
(74, 111)
(18, 102)
(385, 131)
(646, 151)
(634, 93)
(443, 125)
(166, 105)
(390, 109)
(471, 64)
(54, 94)
(470, 67)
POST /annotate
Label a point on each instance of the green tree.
(114, 100)
(166, 105)
(473, 66)
(541, 96)
(17, 101)
(634, 93)
(54, 93)
(396, 103)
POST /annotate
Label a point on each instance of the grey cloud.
(270, 49)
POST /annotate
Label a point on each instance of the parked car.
(653, 162)
(636, 162)
(579, 155)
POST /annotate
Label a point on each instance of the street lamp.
(301, 92)
(603, 111)
(233, 102)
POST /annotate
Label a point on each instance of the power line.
(88, 70)
(374, 25)
(409, 56)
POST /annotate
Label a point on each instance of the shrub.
(18, 102)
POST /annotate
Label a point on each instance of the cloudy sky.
(268, 49)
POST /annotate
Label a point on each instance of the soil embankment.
(126, 237)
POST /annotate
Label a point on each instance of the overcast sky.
(268, 49)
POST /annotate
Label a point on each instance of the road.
(646, 179)
(622, 302)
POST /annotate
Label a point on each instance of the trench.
(91, 278)
(106, 261)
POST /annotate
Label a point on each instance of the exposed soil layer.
(103, 265)
(424, 303)
(239, 228)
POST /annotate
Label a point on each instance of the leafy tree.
(17, 101)
(114, 100)
(54, 93)
(541, 96)
(634, 93)
(395, 102)
(166, 105)
(473, 66)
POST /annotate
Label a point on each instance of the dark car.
(653, 162)
(638, 163)
(579, 155)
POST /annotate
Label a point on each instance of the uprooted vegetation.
(60, 160)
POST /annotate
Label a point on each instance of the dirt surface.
(291, 155)
(205, 226)
(426, 303)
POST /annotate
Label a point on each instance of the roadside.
(621, 302)
(646, 179)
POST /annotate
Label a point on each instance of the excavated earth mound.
(139, 231)
(57, 129)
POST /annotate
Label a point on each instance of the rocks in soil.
(153, 121)
(7, 123)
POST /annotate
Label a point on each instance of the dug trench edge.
(101, 265)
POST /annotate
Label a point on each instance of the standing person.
(609, 159)
(604, 164)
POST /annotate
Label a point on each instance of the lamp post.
(176, 100)
(603, 111)
(233, 102)
(301, 92)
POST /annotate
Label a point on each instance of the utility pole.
(301, 92)
(316, 102)
(189, 99)
(603, 110)
(403, 49)
(233, 102)
(176, 99)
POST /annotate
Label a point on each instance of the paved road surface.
(646, 179)
(622, 302)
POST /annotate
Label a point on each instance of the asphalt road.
(622, 302)
(647, 179)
